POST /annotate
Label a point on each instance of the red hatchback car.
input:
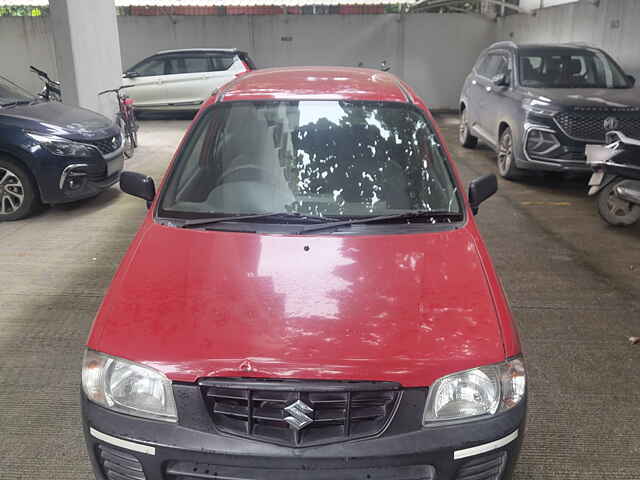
(308, 297)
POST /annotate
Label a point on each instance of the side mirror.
(632, 80)
(500, 80)
(131, 75)
(480, 189)
(138, 185)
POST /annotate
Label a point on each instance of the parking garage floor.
(572, 282)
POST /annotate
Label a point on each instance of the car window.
(568, 68)
(221, 62)
(151, 67)
(483, 65)
(496, 63)
(501, 66)
(333, 158)
(182, 64)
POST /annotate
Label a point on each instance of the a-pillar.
(85, 35)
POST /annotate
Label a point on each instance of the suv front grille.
(329, 412)
(588, 124)
(107, 145)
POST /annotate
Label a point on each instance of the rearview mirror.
(500, 80)
(131, 75)
(138, 185)
(480, 189)
(632, 80)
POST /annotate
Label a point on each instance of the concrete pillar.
(85, 35)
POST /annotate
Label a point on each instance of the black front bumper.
(569, 157)
(122, 447)
(77, 179)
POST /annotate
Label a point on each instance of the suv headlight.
(479, 391)
(538, 107)
(127, 387)
(63, 147)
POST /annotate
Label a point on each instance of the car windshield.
(320, 158)
(570, 68)
(11, 93)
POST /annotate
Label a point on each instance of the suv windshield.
(11, 93)
(321, 158)
(569, 68)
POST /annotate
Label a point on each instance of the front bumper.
(122, 447)
(63, 180)
(568, 157)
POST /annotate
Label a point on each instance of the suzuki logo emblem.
(298, 415)
(611, 123)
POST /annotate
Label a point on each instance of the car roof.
(541, 46)
(200, 50)
(315, 83)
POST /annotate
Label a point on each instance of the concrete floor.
(572, 282)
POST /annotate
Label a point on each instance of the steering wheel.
(240, 168)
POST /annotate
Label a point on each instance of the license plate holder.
(596, 179)
(597, 153)
(115, 165)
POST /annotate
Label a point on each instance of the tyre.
(614, 210)
(19, 196)
(506, 162)
(464, 133)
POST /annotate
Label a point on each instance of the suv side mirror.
(480, 189)
(632, 80)
(131, 74)
(500, 80)
(138, 185)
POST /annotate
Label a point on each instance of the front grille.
(107, 145)
(118, 465)
(193, 471)
(589, 124)
(485, 467)
(329, 412)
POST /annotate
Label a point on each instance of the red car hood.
(404, 308)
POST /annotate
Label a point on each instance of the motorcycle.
(51, 90)
(616, 179)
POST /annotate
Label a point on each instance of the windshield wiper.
(13, 104)
(383, 218)
(201, 222)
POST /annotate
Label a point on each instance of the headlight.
(127, 387)
(476, 392)
(63, 147)
(538, 107)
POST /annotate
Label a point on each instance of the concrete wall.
(432, 52)
(613, 26)
(26, 41)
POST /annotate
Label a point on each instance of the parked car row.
(309, 285)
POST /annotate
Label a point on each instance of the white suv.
(183, 79)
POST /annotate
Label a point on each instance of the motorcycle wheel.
(614, 210)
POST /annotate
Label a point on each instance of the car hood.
(54, 118)
(587, 97)
(403, 308)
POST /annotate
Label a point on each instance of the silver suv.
(183, 79)
(538, 106)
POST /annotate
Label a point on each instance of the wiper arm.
(381, 218)
(13, 104)
(199, 222)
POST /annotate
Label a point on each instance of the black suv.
(539, 106)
